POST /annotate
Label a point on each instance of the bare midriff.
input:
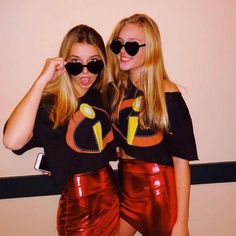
(122, 154)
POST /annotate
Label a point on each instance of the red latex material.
(89, 205)
(148, 199)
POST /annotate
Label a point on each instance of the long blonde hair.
(153, 109)
(66, 101)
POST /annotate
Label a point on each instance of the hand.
(53, 68)
(180, 230)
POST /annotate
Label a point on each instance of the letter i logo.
(88, 112)
(133, 120)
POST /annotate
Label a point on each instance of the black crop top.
(85, 143)
(151, 146)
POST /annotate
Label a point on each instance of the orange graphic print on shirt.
(89, 130)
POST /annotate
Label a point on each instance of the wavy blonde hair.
(66, 97)
(153, 113)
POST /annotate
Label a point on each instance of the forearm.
(20, 124)
(182, 179)
(19, 128)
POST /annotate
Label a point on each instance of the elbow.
(11, 143)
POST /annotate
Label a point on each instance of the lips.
(124, 59)
(85, 81)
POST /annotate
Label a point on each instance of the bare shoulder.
(170, 87)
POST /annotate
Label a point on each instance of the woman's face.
(83, 53)
(133, 64)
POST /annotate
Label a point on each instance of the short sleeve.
(39, 134)
(181, 138)
(34, 141)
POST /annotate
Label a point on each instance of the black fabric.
(182, 141)
(64, 162)
(179, 142)
(110, 95)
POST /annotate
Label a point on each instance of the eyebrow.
(130, 39)
(75, 56)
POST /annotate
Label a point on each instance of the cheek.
(95, 77)
(139, 60)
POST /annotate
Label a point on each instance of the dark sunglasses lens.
(132, 48)
(116, 46)
(95, 67)
(74, 68)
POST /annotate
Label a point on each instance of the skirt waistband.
(138, 166)
(88, 183)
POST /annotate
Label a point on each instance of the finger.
(59, 60)
(61, 71)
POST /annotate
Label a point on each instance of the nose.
(122, 49)
(85, 70)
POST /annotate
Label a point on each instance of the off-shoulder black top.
(151, 146)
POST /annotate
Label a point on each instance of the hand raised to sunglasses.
(53, 68)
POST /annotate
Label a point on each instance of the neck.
(135, 77)
(136, 81)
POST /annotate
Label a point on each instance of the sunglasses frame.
(131, 51)
(76, 68)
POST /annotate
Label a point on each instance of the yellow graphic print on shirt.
(133, 120)
(88, 112)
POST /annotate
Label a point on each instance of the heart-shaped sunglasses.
(131, 48)
(75, 68)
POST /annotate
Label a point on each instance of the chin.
(124, 67)
(86, 87)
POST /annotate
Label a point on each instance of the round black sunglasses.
(75, 68)
(131, 48)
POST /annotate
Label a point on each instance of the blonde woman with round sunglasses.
(154, 132)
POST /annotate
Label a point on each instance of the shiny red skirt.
(148, 197)
(89, 205)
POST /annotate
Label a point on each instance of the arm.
(19, 128)
(182, 145)
(182, 180)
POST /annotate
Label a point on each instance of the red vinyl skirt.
(148, 197)
(89, 205)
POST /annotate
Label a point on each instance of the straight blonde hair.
(153, 113)
(66, 97)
